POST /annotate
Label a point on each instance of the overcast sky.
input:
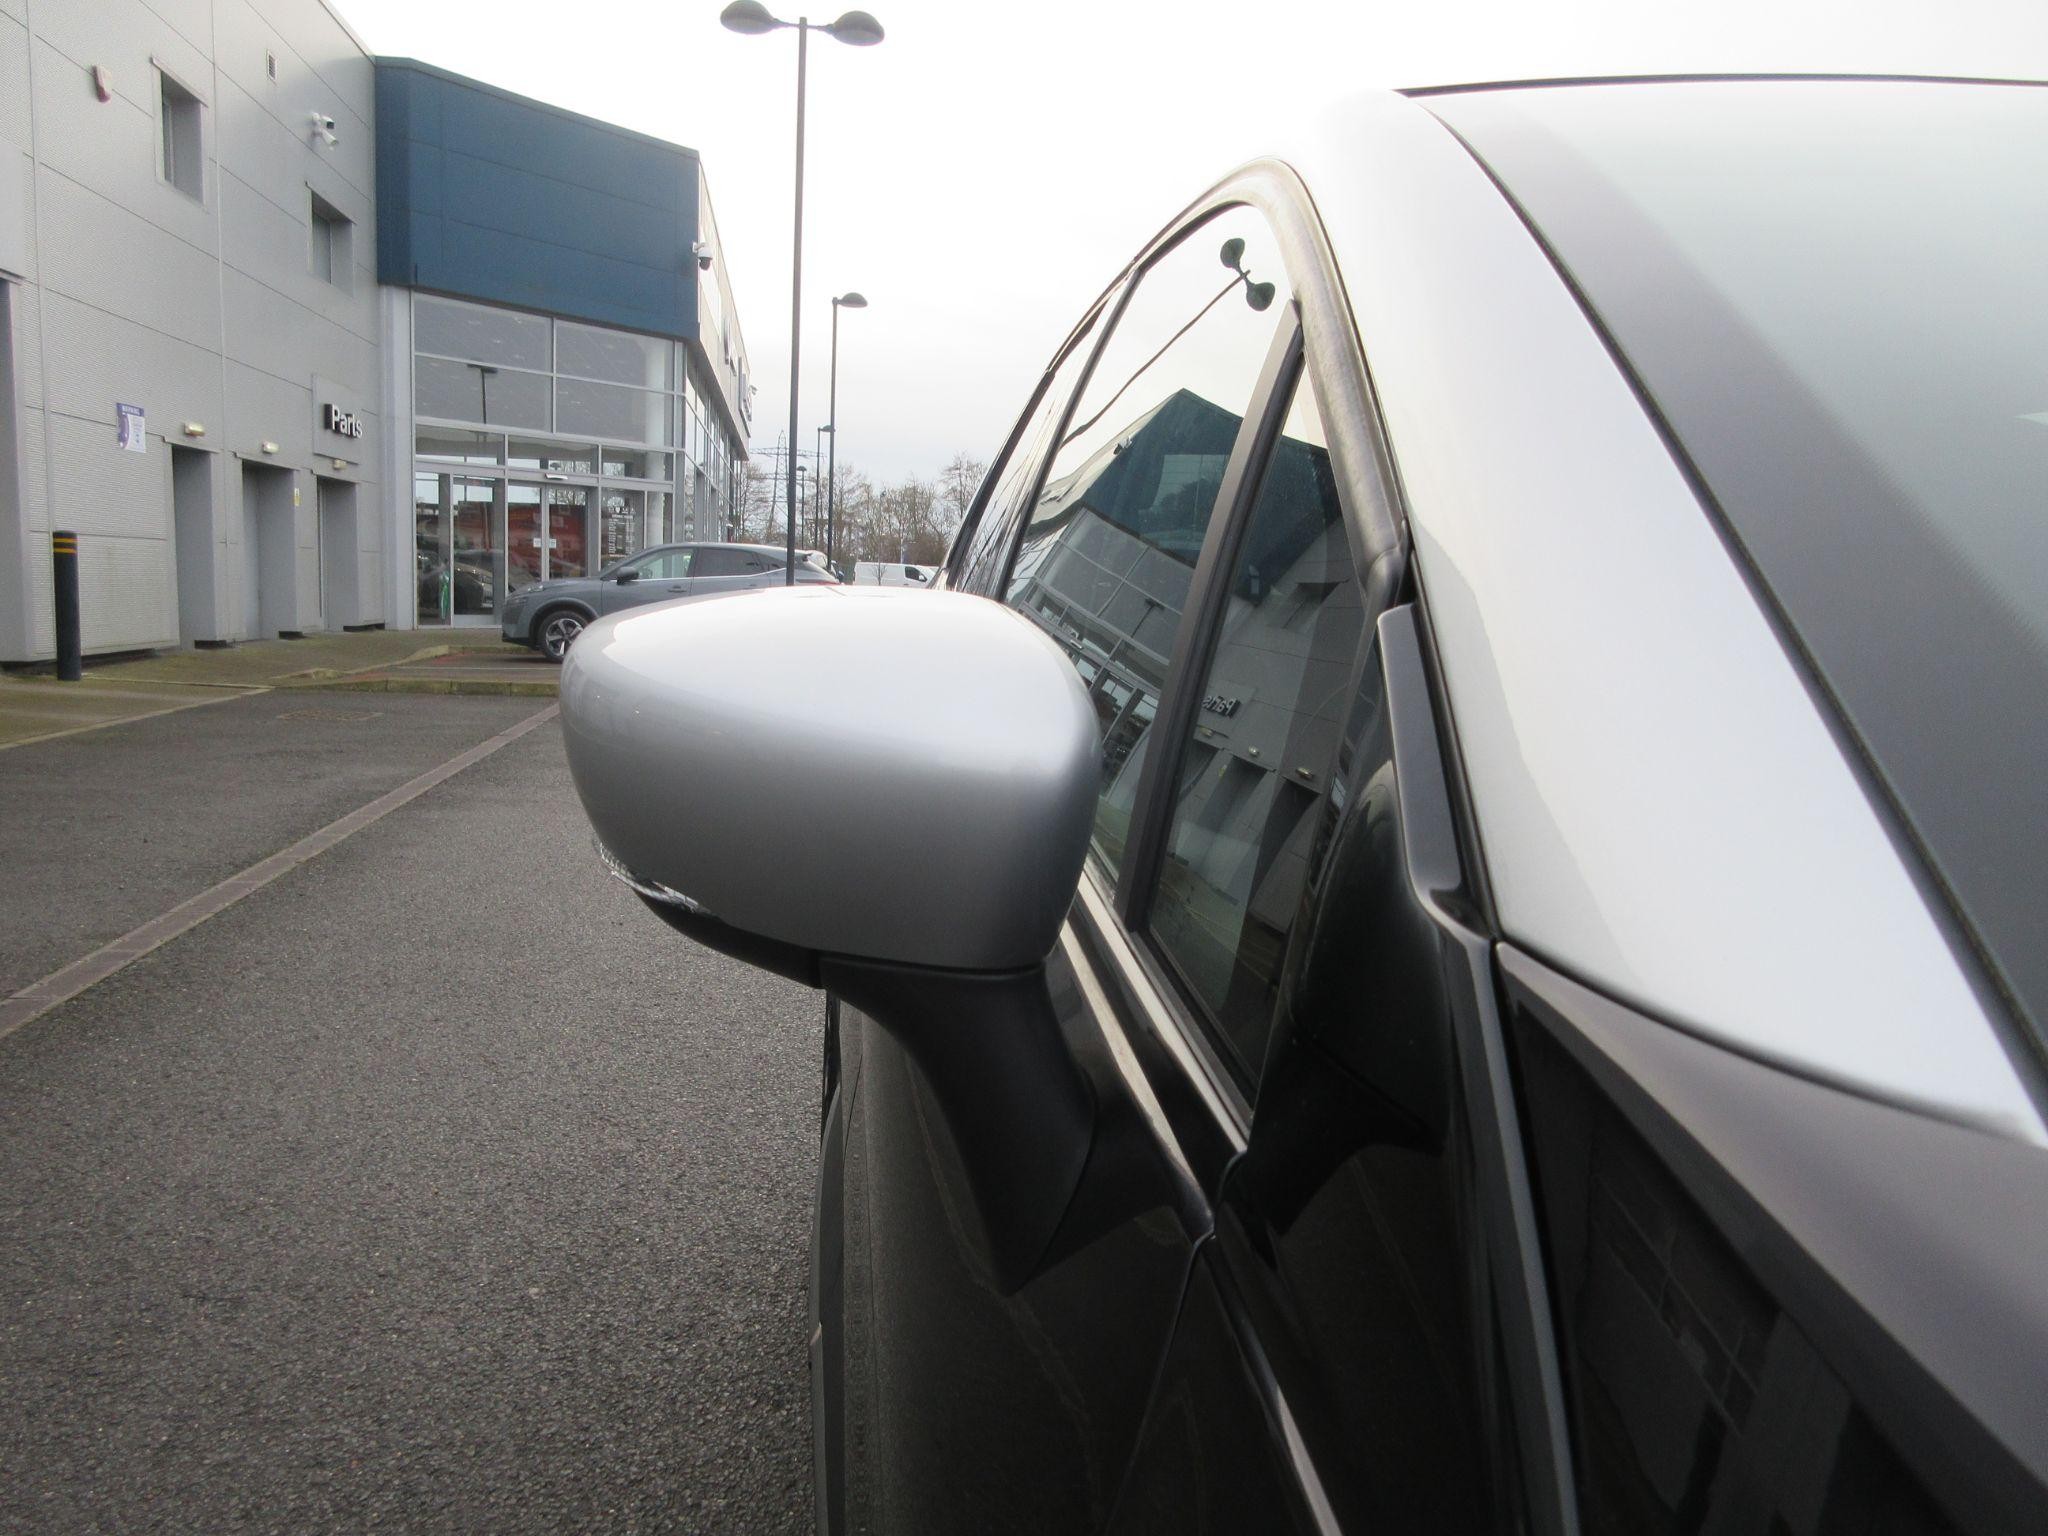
(982, 174)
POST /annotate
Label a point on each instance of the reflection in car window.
(1257, 764)
(728, 562)
(1698, 1402)
(989, 549)
(1108, 554)
(664, 565)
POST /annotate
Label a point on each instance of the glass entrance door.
(458, 549)
(568, 540)
(524, 558)
(477, 566)
(547, 531)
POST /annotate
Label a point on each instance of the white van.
(883, 573)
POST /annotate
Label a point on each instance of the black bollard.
(64, 569)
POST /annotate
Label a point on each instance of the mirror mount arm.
(1019, 1107)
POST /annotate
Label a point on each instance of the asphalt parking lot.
(433, 1185)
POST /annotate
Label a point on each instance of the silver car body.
(1658, 796)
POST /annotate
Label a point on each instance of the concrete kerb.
(332, 674)
(388, 674)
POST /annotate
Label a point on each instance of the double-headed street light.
(839, 302)
(862, 31)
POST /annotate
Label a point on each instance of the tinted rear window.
(1837, 295)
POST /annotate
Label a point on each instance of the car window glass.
(721, 561)
(1107, 556)
(1690, 1383)
(664, 565)
(1255, 767)
(988, 550)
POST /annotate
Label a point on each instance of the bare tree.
(912, 520)
(760, 504)
(958, 482)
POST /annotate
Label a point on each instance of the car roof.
(1665, 808)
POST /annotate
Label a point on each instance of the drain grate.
(342, 716)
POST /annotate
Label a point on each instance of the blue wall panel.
(490, 196)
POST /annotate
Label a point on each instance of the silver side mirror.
(885, 792)
(857, 772)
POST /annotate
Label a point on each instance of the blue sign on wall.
(492, 196)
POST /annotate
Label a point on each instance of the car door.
(1363, 1343)
(954, 1399)
(660, 575)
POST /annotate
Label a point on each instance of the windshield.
(1836, 293)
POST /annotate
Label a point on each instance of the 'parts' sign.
(335, 419)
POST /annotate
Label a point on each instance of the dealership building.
(300, 339)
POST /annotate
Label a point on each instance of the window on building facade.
(451, 445)
(617, 357)
(184, 152)
(332, 243)
(609, 418)
(552, 458)
(481, 333)
(611, 410)
(483, 392)
(638, 464)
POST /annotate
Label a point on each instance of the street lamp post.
(483, 389)
(818, 494)
(839, 302)
(862, 31)
(824, 517)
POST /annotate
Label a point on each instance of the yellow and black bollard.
(64, 569)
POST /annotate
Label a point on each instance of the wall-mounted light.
(102, 83)
(339, 463)
(268, 446)
(195, 429)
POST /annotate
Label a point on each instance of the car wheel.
(558, 630)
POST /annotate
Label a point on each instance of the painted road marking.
(38, 998)
(101, 725)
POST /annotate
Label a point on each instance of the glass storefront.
(546, 448)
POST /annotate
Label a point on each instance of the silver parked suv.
(550, 614)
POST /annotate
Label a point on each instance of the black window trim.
(1173, 722)
(1686, 1096)
(1173, 1044)
(1210, 1117)
(1323, 347)
(1194, 640)
(1083, 334)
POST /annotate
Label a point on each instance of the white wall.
(201, 311)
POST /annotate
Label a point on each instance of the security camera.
(323, 126)
(701, 249)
